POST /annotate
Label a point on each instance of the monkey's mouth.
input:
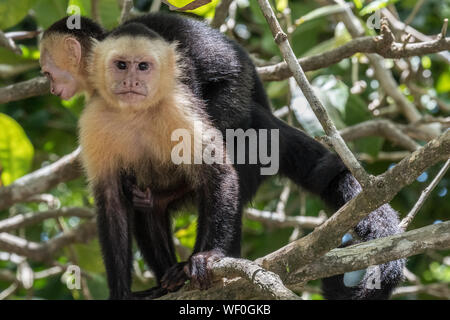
(130, 93)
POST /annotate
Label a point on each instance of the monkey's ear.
(73, 48)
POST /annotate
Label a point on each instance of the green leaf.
(443, 83)
(320, 12)
(49, 11)
(109, 13)
(358, 3)
(375, 5)
(16, 151)
(426, 62)
(12, 12)
(281, 5)
(88, 257)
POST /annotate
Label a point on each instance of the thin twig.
(127, 5)
(414, 12)
(423, 196)
(221, 13)
(9, 44)
(338, 143)
(95, 11)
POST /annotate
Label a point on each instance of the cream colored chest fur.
(112, 139)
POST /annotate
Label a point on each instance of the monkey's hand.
(175, 277)
(142, 200)
(198, 269)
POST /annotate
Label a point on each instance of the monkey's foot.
(149, 294)
(198, 269)
(175, 277)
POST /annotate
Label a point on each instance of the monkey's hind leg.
(152, 231)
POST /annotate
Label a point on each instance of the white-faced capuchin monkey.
(162, 72)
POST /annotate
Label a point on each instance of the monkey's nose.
(131, 83)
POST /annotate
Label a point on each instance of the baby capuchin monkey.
(137, 101)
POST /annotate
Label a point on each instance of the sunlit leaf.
(281, 5)
(358, 3)
(16, 151)
(426, 62)
(443, 83)
(375, 5)
(13, 11)
(320, 12)
(89, 257)
(49, 11)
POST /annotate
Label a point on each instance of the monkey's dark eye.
(143, 66)
(122, 65)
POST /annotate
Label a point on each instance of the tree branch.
(383, 189)
(221, 13)
(381, 127)
(336, 140)
(265, 281)
(282, 221)
(9, 44)
(375, 252)
(26, 89)
(336, 261)
(43, 252)
(376, 45)
(423, 196)
(27, 219)
(39, 181)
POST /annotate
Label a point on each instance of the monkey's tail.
(376, 282)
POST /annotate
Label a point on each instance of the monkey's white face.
(132, 72)
(131, 78)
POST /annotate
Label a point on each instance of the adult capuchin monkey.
(161, 72)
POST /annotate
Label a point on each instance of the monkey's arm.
(113, 223)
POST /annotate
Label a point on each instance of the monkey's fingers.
(175, 277)
(199, 271)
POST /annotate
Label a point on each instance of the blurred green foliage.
(37, 131)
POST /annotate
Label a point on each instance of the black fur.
(88, 30)
(221, 73)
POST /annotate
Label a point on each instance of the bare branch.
(221, 13)
(45, 251)
(281, 71)
(336, 261)
(338, 143)
(95, 11)
(39, 181)
(398, 25)
(381, 127)
(282, 221)
(156, 6)
(9, 44)
(382, 190)
(126, 6)
(375, 252)
(440, 290)
(22, 90)
(424, 195)
(393, 156)
(265, 281)
(24, 220)
(20, 35)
